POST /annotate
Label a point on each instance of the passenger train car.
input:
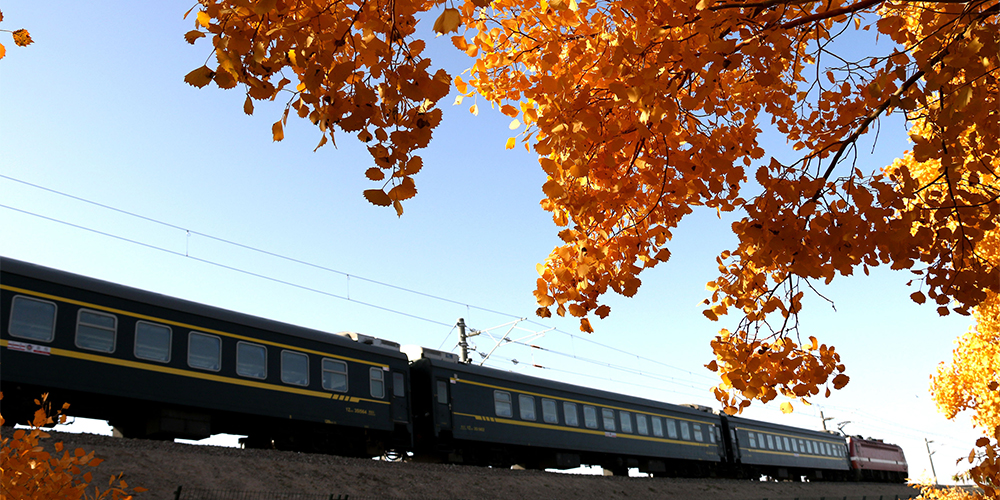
(485, 416)
(159, 367)
(156, 366)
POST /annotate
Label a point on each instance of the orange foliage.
(928, 492)
(28, 471)
(641, 110)
(971, 382)
(357, 67)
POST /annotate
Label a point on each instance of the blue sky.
(97, 108)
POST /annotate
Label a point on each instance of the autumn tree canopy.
(640, 110)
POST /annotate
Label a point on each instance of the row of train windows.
(642, 424)
(782, 443)
(35, 319)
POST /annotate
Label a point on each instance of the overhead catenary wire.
(228, 267)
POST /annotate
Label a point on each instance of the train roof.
(35, 271)
(762, 425)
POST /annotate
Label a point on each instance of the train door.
(442, 404)
(400, 408)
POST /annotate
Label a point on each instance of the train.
(160, 367)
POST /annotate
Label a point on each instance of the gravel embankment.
(163, 466)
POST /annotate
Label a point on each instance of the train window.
(152, 341)
(811, 448)
(204, 351)
(251, 360)
(657, 426)
(770, 442)
(685, 431)
(96, 331)
(711, 432)
(398, 385)
(786, 443)
(334, 375)
(608, 416)
(671, 429)
(753, 440)
(294, 368)
(828, 449)
(501, 404)
(526, 406)
(550, 412)
(442, 392)
(590, 416)
(626, 421)
(569, 414)
(33, 319)
(641, 425)
(698, 436)
(796, 448)
(376, 382)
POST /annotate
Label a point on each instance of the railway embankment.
(163, 466)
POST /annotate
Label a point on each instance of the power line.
(251, 248)
(224, 266)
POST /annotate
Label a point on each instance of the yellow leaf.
(786, 407)
(511, 142)
(203, 18)
(248, 106)
(377, 197)
(322, 142)
(474, 109)
(514, 124)
(3, 51)
(374, 174)
(448, 21)
(964, 96)
(703, 4)
(264, 6)
(399, 208)
(224, 79)
(22, 38)
(277, 130)
(193, 35)
(199, 77)
(404, 191)
(461, 86)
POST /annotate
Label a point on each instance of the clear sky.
(97, 108)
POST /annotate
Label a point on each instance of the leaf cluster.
(350, 65)
(21, 38)
(28, 471)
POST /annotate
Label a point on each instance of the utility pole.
(927, 443)
(824, 418)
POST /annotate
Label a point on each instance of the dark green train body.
(160, 367)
